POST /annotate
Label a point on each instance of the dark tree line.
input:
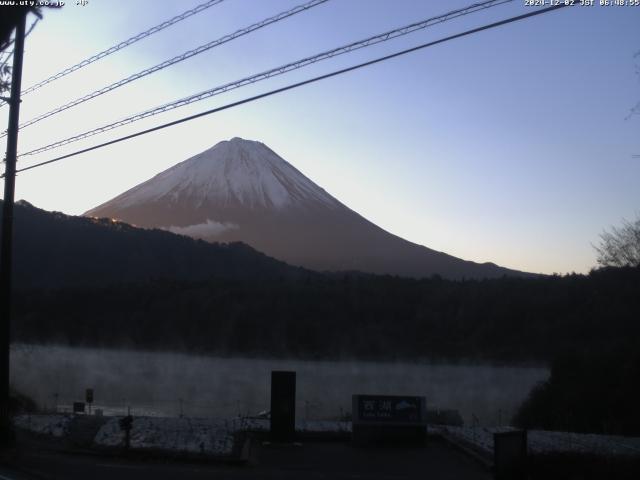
(586, 327)
(346, 315)
(594, 391)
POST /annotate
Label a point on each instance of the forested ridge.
(54, 250)
(87, 281)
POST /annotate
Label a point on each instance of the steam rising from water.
(165, 383)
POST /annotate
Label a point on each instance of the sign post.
(88, 397)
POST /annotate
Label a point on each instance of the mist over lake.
(168, 383)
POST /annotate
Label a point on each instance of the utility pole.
(7, 230)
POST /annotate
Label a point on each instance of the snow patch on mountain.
(204, 230)
(232, 172)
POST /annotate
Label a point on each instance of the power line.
(6, 60)
(33, 25)
(383, 37)
(11, 40)
(123, 44)
(7, 44)
(299, 84)
(176, 59)
(5, 69)
(10, 54)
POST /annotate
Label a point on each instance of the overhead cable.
(297, 85)
(123, 44)
(383, 37)
(174, 60)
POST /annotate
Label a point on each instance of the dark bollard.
(510, 455)
(283, 406)
(126, 424)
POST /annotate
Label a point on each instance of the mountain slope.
(241, 190)
(56, 250)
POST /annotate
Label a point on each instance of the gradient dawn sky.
(514, 145)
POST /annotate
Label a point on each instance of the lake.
(169, 384)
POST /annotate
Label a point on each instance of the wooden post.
(6, 249)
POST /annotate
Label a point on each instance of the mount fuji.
(240, 190)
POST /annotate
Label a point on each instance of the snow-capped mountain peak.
(236, 171)
(240, 190)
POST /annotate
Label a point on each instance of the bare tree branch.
(621, 246)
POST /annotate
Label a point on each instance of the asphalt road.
(312, 460)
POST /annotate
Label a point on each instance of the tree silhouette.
(621, 246)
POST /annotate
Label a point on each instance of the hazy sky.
(512, 145)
